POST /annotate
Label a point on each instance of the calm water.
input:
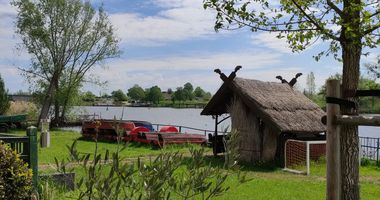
(169, 116)
(173, 116)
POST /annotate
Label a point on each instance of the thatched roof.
(277, 104)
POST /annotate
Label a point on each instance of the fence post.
(377, 150)
(333, 143)
(33, 153)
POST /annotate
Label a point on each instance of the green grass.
(61, 139)
(276, 184)
(264, 182)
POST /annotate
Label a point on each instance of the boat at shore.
(137, 131)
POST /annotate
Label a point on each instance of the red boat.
(138, 131)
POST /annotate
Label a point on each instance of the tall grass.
(23, 107)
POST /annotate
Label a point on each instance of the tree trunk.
(349, 141)
(48, 99)
(64, 106)
(55, 122)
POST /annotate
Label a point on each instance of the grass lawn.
(61, 139)
(264, 183)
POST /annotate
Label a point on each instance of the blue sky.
(171, 42)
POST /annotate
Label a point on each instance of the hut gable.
(279, 104)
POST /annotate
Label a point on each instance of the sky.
(171, 42)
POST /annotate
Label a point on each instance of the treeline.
(153, 95)
(366, 104)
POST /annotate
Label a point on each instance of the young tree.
(199, 92)
(136, 93)
(310, 83)
(154, 94)
(4, 100)
(188, 91)
(63, 36)
(348, 26)
(178, 95)
(89, 96)
(118, 95)
(170, 91)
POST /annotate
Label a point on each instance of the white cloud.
(8, 70)
(8, 38)
(178, 20)
(176, 70)
(251, 60)
(269, 40)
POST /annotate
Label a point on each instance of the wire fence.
(370, 148)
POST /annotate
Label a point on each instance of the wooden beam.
(333, 143)
(358, 120)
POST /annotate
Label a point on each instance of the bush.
(4, 101)
(15, 177)
(365, 162)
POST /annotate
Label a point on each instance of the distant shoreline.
(179, 105)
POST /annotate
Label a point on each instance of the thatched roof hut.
(285, 108)
(279, 112)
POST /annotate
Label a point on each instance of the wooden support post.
(214, 138)
(33, 154)
(307, 158)
(333, 144)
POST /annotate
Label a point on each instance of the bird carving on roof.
(292, 82)
(230, 77)
(222, 75)
(281, 79)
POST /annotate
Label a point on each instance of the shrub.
(364, 161)
(15, 177)
(4, 101)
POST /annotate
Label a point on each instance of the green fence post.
(33, 153)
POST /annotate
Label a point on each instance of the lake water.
(174, 116)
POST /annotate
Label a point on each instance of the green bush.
(15, 177)
(365, 161)
(4, 100)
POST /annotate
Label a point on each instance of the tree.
(188, 91)
(310, 84)
(348, 26)
(154, 94)
(178, 95)
(365, 83)
(199, 92)
(374, 68)
(64, 37)
(4, 100)
(136, 93)
(118, 95)
(89, 96)
(207, 96)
